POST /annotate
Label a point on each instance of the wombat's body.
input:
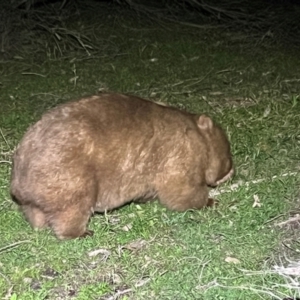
(103, 151)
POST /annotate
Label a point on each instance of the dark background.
(271, 21)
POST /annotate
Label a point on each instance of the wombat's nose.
(226, 177)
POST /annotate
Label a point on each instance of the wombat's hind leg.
(70, 223)
(35, 216)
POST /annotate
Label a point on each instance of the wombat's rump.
(103, 151)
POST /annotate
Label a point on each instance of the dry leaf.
(114, 220)
(256, 202)
(267, 111)
(232, 260)
(116, 278)
(127, 227)
(216, 93)
(135, 245)
(104, 252)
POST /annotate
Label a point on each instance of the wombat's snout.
(226, 177)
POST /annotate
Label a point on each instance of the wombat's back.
(108, 138)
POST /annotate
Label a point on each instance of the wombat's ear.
(204, 122)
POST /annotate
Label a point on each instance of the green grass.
(253, 93)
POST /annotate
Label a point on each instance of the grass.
(145, 251)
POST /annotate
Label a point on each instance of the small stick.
(30, 73)
(8, 247)
(291, 220)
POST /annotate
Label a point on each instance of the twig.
(291, 220)
(44, 94)
(30, 73)
(8, 247)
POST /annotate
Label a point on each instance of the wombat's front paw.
(212, 202)
(87, 233)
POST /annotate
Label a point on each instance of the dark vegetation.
(42, 24)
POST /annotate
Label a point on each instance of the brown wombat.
(103, 151)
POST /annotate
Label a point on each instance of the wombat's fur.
(103, 151)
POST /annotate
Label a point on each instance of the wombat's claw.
(87, 233)
(212, 202)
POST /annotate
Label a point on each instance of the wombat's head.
(219, 164)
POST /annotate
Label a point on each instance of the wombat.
(101, 152)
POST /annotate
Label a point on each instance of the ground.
(246, 248)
